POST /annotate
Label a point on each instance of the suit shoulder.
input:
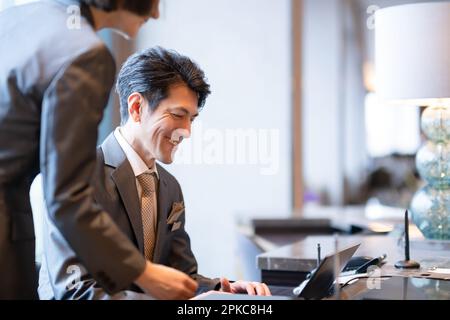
(162, 172)
(52, 47)
(61, 29)
(102, 55)
(97, 64)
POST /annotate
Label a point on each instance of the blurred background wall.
(244, 49)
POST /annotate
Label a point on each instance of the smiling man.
(161, 93)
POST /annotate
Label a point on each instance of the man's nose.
(155, 14)
(187, 127)
(155, 11)
(180, 134)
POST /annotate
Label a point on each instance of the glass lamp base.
(430, 205)
(431, 212)
(433, 163)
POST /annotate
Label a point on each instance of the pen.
(373, 262)
(318, 254)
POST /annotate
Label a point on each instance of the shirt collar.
(137, 164)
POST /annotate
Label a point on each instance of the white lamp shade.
(412, 52)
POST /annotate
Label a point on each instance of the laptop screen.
(321, 281)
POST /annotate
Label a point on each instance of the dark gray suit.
(115, 190)
(54, 84)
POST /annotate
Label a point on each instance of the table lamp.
(412, 61)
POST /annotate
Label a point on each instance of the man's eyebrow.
(186, 111)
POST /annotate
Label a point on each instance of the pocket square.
(176, 226)
(175, 213)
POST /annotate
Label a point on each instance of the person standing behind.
(55, 80)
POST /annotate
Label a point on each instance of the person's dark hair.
(152, 72)
(139, 7)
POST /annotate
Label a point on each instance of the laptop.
(318, 286)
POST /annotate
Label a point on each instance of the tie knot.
(147, 181)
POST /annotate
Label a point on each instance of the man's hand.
(162, 282)
(251, 288)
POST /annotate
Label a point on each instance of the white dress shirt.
(137, 164)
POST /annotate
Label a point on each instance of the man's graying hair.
(152, 72)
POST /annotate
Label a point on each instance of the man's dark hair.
(139, 7)
(152, 72)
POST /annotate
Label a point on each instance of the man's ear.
(135, 102)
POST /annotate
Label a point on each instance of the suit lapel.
(163, 203)
(125, 182)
